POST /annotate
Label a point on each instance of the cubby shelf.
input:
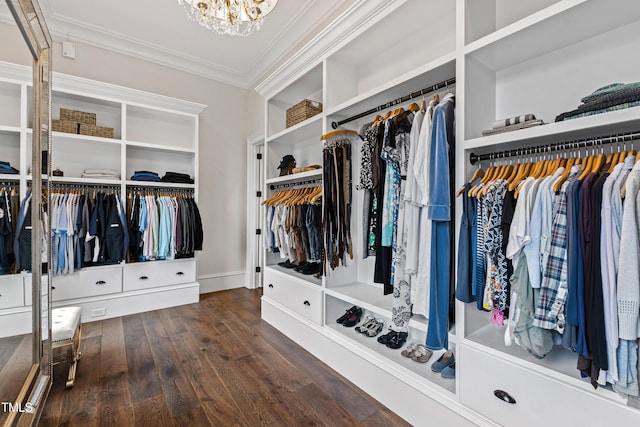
(316, 173)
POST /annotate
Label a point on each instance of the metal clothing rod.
(395, 102)
(298, 184)
(559, 146)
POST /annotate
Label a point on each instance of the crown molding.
(361, 15)
(21, 74)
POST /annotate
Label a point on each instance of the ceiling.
(161, 32)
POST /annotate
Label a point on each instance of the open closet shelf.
(9, 129)
(611, 123)
(428, 74)
(490, 339)
(62, 136)
(552, 28)
(290, 273)
(158, 184)
(9, 177)
(307, 129)
(316, 173)
(371, 298)
(89, 181)
(412, 372)
(159, 147)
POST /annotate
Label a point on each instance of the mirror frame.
(32, 396)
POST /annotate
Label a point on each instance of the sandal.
(364, 326)
(422, 354)
(383, 339)
(398, 340)
(410, 350)
(375, 328)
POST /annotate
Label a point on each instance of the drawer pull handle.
(179, 273)
(53, 288)
(504, 396)
(307, 303)
(271, 285)
(144, 278)
(100, 282)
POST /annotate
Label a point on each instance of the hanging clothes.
(161, 226)
(439, 212)
(337, 204)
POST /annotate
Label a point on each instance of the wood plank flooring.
(15, 363)
(215, 363)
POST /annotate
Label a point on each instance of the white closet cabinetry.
(508, 58)
(151, 132)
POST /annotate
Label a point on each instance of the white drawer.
(540, 400)
(153, 274)
(304, 299)
(87, 283)
(11, 292)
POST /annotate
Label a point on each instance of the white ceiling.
(160, 31)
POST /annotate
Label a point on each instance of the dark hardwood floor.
(16, 353)
(215, 363)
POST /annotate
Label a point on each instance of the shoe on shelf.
(301, 266)
(447, 359)
(410, 350)
(449, 372)
(310, 268)
(422, 354)
(368, 322)
(398, 340)
(353, 318)
(287, 264)
(346, 314)
(375, 329)
(383, 339)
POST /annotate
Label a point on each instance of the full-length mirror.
(25, 368)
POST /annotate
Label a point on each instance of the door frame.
(255, 217)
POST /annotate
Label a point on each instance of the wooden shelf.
(159, 147)
(316, 173)
(303, 131)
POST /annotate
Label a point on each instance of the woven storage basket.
(91, 130)
(302, 111)
(78, 116)
(64, 126)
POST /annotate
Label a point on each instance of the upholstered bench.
(65, 334)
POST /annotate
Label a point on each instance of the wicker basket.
(78, 116)
(91, 130)
(302, 111)
(64, 126)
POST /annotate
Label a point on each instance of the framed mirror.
(25, 360)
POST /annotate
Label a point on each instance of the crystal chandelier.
(233, 17)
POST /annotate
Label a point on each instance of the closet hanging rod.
(298, 184)
(559, 146)
(395, 102)
(160, 190)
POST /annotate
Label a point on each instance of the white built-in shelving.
(151, 132)
(508, 58)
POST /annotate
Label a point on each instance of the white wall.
(232, 114)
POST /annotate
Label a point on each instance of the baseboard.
(221, 281)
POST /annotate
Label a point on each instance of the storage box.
(64, 126)
(302, 111)
(77, 116)
(92, 130)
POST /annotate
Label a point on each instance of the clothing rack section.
(9, 206)
(88, 226)
(163, 223)
(556, 147)
(294, 225)
(401, 100)
(550, 248)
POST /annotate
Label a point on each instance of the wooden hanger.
(339, 132)
(423, 105)
(477, 174)
(413, 107)
(565, 174)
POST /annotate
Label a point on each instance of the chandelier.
(233, 17)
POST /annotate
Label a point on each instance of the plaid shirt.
(549, 312)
